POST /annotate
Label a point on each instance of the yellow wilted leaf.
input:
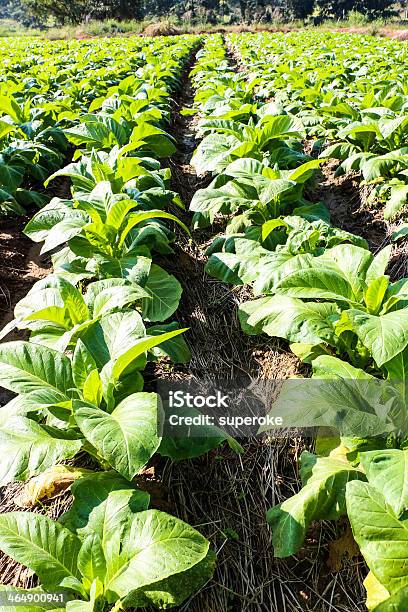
(340, 548)
(340, 453)
(49, 484)
(376, 592)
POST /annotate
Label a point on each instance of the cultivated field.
(218, 209)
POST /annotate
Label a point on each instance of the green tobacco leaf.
(91, 559)
(231, 268)
(127, 437)
(113, 335)
(176, 348)
(152, 537)
(97, 287)
(396, 603)
(164, 291)
(39, 543)
(26, 367)
(375, 294)
(327, 366)
(382, 538)
(214, 153)
(339, 396)
(174, 590)
(102, 505)
(92, 391)
(117, 297)
(379, 264)
(92, 134)
(30, 448)
(322, 497)
(387, 471)
(316, 284)
(297, 321)
(352, 262)
(64, 231)
(305, 171)
(117, 368)
(136, 218)
(10, 106)
(280, 126)
(82, 364)
(6, 128)
(385, 336)
(277, 266)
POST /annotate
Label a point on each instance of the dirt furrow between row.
(224, 494)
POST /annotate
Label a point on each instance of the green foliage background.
(40, 13)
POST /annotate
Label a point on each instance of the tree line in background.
(61, 12)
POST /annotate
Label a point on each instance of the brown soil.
(350, 209)
(395, 34)
(21, 265)
(348, 206)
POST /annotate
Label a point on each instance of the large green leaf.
(155, 547)
(116, 368)
(387, 471)
(385, 336)
(316, 284)
(322, 497)
(280, 126)
(96, 134)
(379, 264)
(338, 395)
(176, 348)
(113, 335)
(37, 542)
(103, 503)
(25, 367)
(214, 153)
(233, 269)
(91, 559)
(164, 291)
(290, 318)
(382, 538)
(30, 448)
(174, 590)
(351, 261)
(127, 437)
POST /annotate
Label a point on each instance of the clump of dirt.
(161, 28)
